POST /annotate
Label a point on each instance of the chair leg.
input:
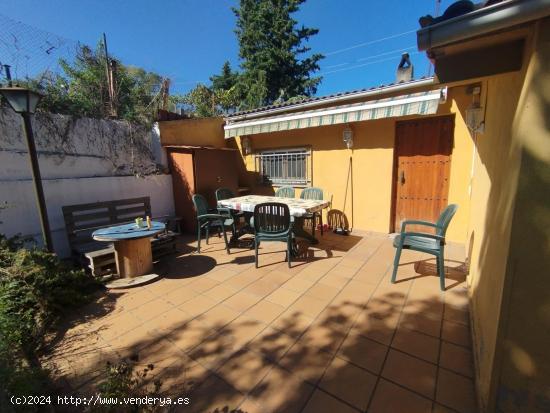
(288, 250)
(396, 264)
(207, 233)
(313, 226)
(225, 239)
(256, 243)
(321, 221)
(198, 237)
(441, 270)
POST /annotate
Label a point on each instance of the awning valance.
(424, 103)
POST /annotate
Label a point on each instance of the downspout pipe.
(485, 20)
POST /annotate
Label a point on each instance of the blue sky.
(189, 40)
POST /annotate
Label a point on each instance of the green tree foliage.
(271, 46)
(82, 89)
(221, 97)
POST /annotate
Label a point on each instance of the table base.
(134, 257)
(132, 282)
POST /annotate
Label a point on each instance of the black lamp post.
(24, 102)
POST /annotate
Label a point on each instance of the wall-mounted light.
(347, 137)
(246, 145)
(475, 114)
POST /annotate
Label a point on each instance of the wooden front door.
(422, 169)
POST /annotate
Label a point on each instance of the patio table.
(298, 208)
(132, 247)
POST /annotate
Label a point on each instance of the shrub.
(36, 289)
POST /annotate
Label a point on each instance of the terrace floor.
(331, 334)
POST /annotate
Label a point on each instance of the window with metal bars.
(284, 166)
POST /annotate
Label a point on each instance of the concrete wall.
(367, 202)
(81, 160)
(193, 132)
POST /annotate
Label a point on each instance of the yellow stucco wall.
(509, 237)
(522, 374)
(367, 203)
(193, 132)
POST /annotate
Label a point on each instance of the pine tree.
(271, 46)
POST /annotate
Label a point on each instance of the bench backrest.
(82, 219)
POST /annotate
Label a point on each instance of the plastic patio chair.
(433, 244)
(317, 194)
(285, 192)
(210, 218)
(272, 223)
(226, 193)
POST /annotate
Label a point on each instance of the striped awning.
(424, 103)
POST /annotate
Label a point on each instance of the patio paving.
(330, 334)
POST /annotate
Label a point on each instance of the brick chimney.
(405, 70)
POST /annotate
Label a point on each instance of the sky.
(189, 40)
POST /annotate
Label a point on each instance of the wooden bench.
(83, 219)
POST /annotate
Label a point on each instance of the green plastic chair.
(272, 223)
(210, 218)
(226, 193)
(317, 194)
(433, 244)
(285, 192)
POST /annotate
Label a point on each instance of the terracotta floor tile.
(271, 344)
(390, 398)
(337, 317)
(265, 311)
(410, 372)
(222, 274)
(457, 358)
(456, 316)
(364, 352)
(323, 337)
(281, 392)
(322, 292)
(292, 323)
(322, 402)
(214, 395)
(334, 280)
(180, 296)
(220, 292)
(244, 370)
(202, 284)
(307, 362)
(181, 377)
(118, 326)
(298, 285)
(219, 316)
(169, 321)
(308, 306)
(191, 334)
(198, 305)
(283, 297)
(416, 344)
(152, 309)
(423, 323)
(262, 287)
(213, 350)
(241, 301)
(371, 326)
(456, 392)
(243, 329)
(349, 383)
(456, 333)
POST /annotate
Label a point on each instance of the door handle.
(402, 177)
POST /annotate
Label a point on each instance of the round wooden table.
(132, 247)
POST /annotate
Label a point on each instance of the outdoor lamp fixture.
(24, 102)
(347, 137)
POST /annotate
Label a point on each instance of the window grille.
(284, 167)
